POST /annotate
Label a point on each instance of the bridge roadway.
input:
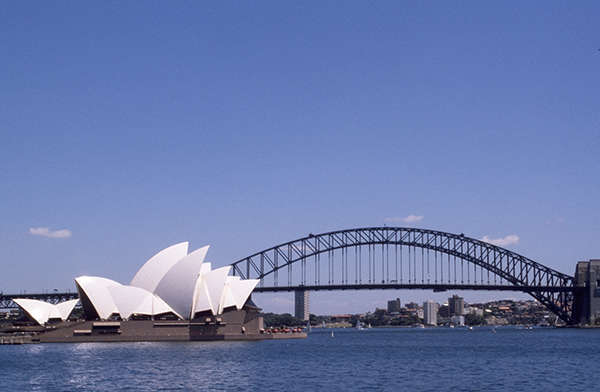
(6, 301)
(419, 286)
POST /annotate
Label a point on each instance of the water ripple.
(380, 360)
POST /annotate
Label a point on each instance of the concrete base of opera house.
(245, 324)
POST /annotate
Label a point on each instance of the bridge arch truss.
(404, 258)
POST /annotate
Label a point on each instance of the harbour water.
(400, 359)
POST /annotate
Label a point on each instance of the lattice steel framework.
(405, 258)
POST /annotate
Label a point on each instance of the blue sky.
(242, 125)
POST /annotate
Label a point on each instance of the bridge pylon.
(301, 305)
(586, 306)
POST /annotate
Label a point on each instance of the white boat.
(332, 335)
(358, 325)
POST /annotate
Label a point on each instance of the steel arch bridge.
(405, 258)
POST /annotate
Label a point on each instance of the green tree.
(405, 321)
(281, 320)
(474, 319)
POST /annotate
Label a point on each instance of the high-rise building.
(301, 305)
(430, 310)
(394, 306)
(456, 306)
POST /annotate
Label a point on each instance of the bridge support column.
(586, 308)
(301, 305)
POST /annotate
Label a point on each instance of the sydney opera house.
(175, 295)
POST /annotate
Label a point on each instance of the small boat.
(493, 329)
(358, 325)
(332, 335)
(470, 328)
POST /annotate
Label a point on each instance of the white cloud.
(46, 232)
(510, 239)
(407, 219)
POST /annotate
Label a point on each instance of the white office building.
(430, 310)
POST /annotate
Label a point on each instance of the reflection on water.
(376, 359)
(35, 349)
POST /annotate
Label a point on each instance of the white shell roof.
(133, 300)
(241, 290)
(42, 311)
(228, 298)
(170, 281)
(108, 297)
(209, 294)
(178, 284)
(65, 308)
(149, 276)
(96, 289)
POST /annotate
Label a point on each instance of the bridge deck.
(6, 299)
(417, 286)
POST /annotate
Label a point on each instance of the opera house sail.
(42, 312)
(172, 282)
